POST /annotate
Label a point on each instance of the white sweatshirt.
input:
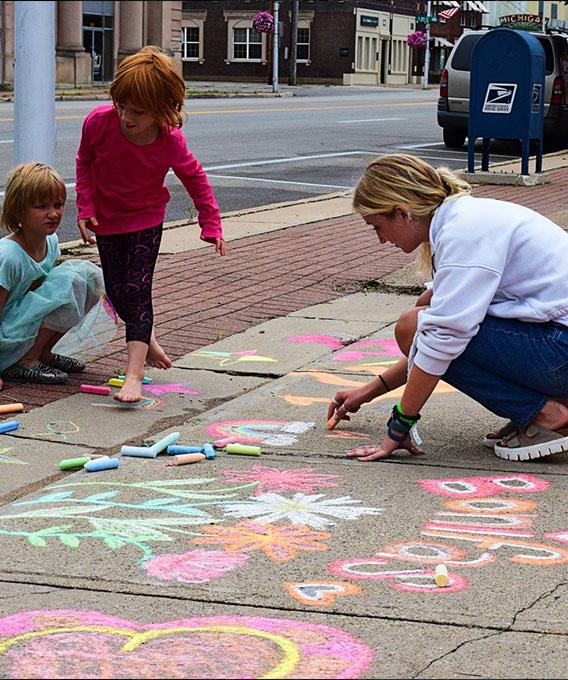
(490, 258)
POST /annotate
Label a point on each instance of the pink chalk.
(95, 389)
(221, 443)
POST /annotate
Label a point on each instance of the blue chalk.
(104, 463)
(9, 425)
(145, 381)
(208, 451)
(165, 442)
(139, 451)
(175, 449)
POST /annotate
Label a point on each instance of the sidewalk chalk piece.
(70, 463)
(441, 576)
(116, 382)
(208, 451)
(187, 458)
(242, 448)
(11, 408)
(221, 443)
(145, 381)
(104, 463)
(166, 441)
(9, 425)
(139, 451)
(175, 449)
(95, 389)
(332, 422)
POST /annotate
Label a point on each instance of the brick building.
(339, 41)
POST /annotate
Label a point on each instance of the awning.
(442, 42)
(450, 3)
(470, 4)
(481, 7)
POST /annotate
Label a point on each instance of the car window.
(461, 58)
(549, 54)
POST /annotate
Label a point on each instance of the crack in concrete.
(455, 649)
(542, 596)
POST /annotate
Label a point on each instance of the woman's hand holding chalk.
(340, 413)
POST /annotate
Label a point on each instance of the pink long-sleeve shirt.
(122, 184)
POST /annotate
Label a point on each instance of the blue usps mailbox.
(506, 93)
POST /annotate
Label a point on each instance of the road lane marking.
(279, 181)
(274, 110)
(369, 120)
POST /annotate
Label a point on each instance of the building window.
(190, 43)
(303, 49)
(553, 10)
(247, 45)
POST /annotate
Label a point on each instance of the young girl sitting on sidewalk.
(495, 323)
(41, 303)
(126, 150)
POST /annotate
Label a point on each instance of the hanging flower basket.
(416, 39)
(263, 22)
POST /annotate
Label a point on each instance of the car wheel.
(454, 139)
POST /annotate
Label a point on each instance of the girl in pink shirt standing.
(126, 150)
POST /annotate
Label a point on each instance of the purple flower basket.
(263, 22)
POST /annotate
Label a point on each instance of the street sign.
(426, 20)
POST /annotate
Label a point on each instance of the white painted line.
(369, 120)
(293, 159)
(278, 181)
(6, 141)
(418, 146)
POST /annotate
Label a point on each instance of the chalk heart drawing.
(272, 479)
(320, 593)
(194, 566)
(75, 644)
(266, 432)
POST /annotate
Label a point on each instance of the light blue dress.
(68, 298)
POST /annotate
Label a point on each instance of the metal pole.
(34, 82)
(543, 17)
(293, 43)
(275, 49)
(427, 55)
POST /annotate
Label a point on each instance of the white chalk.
(441, 577)
(139, 451)
(165, 442)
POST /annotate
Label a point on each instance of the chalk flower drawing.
(272, 479)
(280, 544)
(194, 566)
(300, 509)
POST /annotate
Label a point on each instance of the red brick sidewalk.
(200, 298)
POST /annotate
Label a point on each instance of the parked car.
(453, 104)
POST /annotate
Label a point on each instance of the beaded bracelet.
(399, 424)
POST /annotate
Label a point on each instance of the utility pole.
(544, 17)
(293, 43)
(275, 48)
(34, 82)
(427, 54)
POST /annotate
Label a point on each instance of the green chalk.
(243, 448)
(70, 463)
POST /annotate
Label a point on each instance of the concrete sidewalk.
(297, 563)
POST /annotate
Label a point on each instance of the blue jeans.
(513, 367)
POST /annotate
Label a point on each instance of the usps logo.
(499, 98)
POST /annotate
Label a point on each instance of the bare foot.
(131, 390)
(156, 356)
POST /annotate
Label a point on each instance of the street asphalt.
(296, 563)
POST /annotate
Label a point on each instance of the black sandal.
(40, 374)
(67, 364)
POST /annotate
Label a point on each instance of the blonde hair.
(401, 179)
(27, 185)
(150, 80)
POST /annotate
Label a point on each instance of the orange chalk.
(11, 408)
(187, 458)
(333, 421)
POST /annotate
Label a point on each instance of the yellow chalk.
(116, 382)
(244, 449)
(441, 577)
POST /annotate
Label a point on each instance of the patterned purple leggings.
(128, 262)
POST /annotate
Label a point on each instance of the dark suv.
(453, 104)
